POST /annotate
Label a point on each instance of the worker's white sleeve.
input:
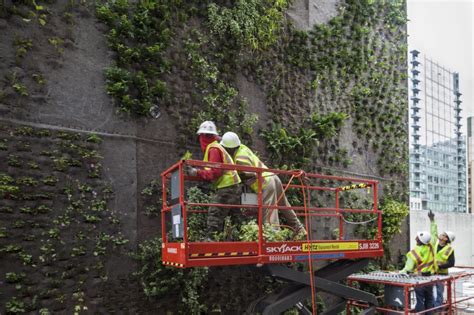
(434, 233)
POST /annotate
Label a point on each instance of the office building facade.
(437, 145)
(470, 164)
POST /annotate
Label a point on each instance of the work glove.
(431, 215)
(403, 273)
(192, 171)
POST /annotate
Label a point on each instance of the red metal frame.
(183, 254)
(449, 305)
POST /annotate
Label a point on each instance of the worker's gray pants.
(270, 194)
(216, 215)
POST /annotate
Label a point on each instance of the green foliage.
(197, 223)
(297, 148)
(6, 209)
(294, 149)
(12, 277)
(56, 244)
(327, 126)
(139, 34)
(13, 160)
(249, 233)
(11, 248)
(152, 188)
(94, 138)
(156, 279)
(15, 306)
(61, 163)
(39, 78)
(249, 23)
(17, 85)
(220, 100)
(22, 47)
(50, 180)
(159, 281)
(7, 185)
(57, 44)
(394, 213)
(26, 181)
(353, 63)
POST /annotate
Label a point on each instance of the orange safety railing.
(454, 299)
(181, 251)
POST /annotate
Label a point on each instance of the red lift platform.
(348, 254)
(180, 252)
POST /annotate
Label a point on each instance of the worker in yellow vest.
(225, 182)
(444, 255)
(421, 260)
(272, 187)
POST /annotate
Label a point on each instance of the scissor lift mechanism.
(179, 252)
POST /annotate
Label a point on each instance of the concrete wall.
(459, 223)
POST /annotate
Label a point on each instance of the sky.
(443, 30)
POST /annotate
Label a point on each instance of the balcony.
(415, 72)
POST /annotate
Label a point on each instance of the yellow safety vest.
(442, 257)
(424, 258)
(229, 177)
(245, 156)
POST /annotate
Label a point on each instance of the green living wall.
(333, 95)
(184, 57)
(332, 98)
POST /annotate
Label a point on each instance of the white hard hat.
(230, 140)
(450, 235)
(207, 127)
(424, 237)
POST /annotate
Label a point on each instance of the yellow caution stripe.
(222, 254)
(354, 186)
(169, 263)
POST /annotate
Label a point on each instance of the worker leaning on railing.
(272, 188)
(421, 260)
(444, 255)
(225, 182)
